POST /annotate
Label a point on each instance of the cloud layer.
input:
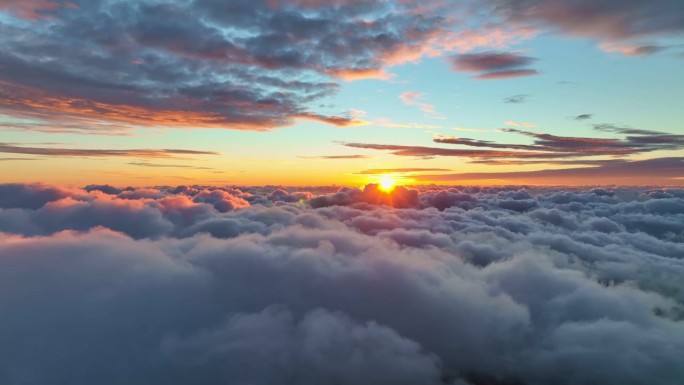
(108, 67)
(250, 65)
(205, 285)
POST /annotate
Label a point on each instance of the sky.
(306, 92)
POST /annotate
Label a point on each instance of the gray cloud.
(546, 147)
(494, 65)
(641, 172)
(605, 20)
(422, 151)
(584, 162)
(243, 65)
(517, 99)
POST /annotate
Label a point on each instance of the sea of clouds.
(266, 285)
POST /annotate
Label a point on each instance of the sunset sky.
(341, 192)
(306, 92)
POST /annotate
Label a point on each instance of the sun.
(386, 183)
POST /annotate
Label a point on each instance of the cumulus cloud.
(108, 67)
(458, 285)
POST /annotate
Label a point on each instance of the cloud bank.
(216, 284)
(109, 67)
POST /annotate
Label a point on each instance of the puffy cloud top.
(196, 285)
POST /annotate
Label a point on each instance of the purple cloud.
(494, 65)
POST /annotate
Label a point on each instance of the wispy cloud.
(161, 165)
(384, 122)
(517, 99)
(664, 170)
(380, 171)
(413, 98)
(333, 157)
(80, 152)
(494, 65)
(513, 123)
(544, 146)
(18, 159)
(422, 151)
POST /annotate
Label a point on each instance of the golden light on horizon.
(386, 183)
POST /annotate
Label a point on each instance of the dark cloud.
(624, 130)
(281, 195)
(31, 196)
(647, 50)
(517, 99)
(506, 74)
(399, 197)
(494, 65)
(105, 188)
(421, 151)
(583, 117)
(443, 290)
(245, 65)
(606, 20)
(109, 67)
(635, 141)
(137, 153)
(642, 172)
(587, 162)
(545, 146)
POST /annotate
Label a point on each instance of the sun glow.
(386, 183)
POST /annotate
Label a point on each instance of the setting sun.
(387, 183)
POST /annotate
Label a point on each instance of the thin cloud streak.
(80, 152)
(651, 171)
(494, 65)
(333, 157)
(158, 165)
(379, 171)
